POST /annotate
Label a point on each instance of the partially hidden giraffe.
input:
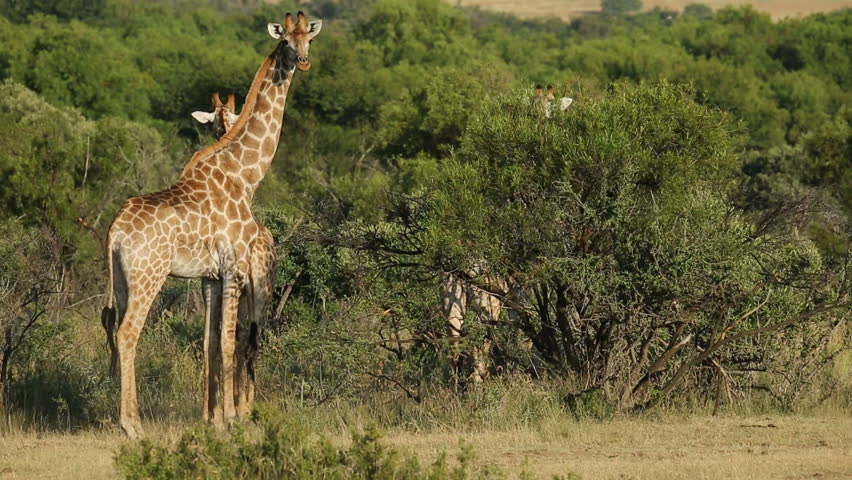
(255, 294)
(203, 227)
(222, 117)
(550, 98)
(459, 297)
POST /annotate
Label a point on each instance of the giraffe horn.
(303, 20)
(217, 102)
(232, 104)
(288, 23)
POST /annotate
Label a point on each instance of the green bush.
(284, 449)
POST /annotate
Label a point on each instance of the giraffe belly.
(195, 262)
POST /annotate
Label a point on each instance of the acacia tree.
(627, 267)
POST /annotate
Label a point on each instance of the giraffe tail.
(108, 316)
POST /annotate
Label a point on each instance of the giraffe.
(460, 297)
(203, 227)
(550, 98)
(259, 290)
(223, 116)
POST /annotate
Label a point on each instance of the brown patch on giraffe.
(252, 175)
(233, 188)
(231, 164)
(218, 175)
(217, 196)
(250, 141)
(236, 149)
(235, 230)
(250, 157)
(268, 148)
(218, 220)
(263, 106)
(231, 209)
(245, 211)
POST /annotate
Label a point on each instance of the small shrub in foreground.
(283, 449)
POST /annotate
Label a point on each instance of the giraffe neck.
(245, 152)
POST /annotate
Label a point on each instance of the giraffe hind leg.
(212, 289)
(141, 293)
(251, 358)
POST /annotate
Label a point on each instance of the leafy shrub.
(591, 404)
(280, 448)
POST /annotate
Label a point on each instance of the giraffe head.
(551, 93)
(297, 35)
(223, 115)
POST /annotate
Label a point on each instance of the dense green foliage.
(679, 234)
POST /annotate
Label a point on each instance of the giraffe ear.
(203, 117)
(276, 31)
(314, 28)
(233, 117)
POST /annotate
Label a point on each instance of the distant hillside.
(566, 9)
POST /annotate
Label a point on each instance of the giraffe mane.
(248, 108)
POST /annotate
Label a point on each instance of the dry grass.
(566, 9)
(694, 448)
(735, 448)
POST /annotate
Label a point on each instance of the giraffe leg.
(212, 290)
(241, 374)
(230, 305)
(251, 358)
(139, 301)
(262, 291)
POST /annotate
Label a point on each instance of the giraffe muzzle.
(303, 64)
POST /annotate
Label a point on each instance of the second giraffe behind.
(255, 294)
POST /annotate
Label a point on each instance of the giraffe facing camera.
(203, 227)
(297, 35)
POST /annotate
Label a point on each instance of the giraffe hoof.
(131, 428)
(217, 422)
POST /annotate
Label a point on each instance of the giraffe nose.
(303, 59)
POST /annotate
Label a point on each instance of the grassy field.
(566, 9)
(694, 448)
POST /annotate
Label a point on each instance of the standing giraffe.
(203, 227)
(460, 297)
(255, 294)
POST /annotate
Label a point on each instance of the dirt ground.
(671, 448)
(567, 9)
